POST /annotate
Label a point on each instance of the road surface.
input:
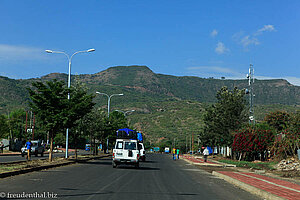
(159, 178)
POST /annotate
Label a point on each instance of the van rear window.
(119, 145)
(130, 145)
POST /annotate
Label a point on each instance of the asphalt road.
(33, 157)
(159, 178)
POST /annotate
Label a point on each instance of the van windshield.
(130, 145)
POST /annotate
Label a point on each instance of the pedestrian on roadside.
(28, 147)
(205, 153)
(174, 154)
(177, 154)
(1, 147)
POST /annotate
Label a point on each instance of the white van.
(126, 151)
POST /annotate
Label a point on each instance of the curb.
(24, 171)
(253, 190)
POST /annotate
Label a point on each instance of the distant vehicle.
(156, 149)
(142, 152)
(167, 150)
(126, 151)
(87, 147)
(36, 148)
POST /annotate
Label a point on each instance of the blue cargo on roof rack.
(140, 137)
(126, 133)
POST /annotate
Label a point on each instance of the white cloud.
(268, 28)
(252, 39)
(221, 49)
(13, 53)
(248, 40)
(214, 33)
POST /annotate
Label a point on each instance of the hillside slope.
(140, 84)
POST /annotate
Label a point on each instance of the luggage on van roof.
(140, 137)
(126, 133)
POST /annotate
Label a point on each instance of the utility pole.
(186, 144)
(174, 143)
(250, 77)
(192, 143)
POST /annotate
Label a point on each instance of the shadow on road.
(99, 162)
(140, 168)
(149, 161)
(126, 193)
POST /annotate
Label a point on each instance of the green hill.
(166, 106)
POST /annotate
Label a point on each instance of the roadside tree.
(56, 112)
(4, 129)
(225, 116)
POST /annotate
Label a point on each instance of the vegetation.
(247, 164)
(225, 116)
(168, 109)
(140, 84)
(252, 143)
(54, 110)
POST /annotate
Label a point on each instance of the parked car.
(142, 152)
(36, 148)
(126, 151)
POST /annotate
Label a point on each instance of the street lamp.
(108, 102)
(69, 83)
(125, 112)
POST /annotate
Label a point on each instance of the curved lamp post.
(109, 97)
(125, 112)
(69, 83)
(108, 104)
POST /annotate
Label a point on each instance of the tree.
(56, 112)
(92, 125)
(16, 123)
(278, 120)
(225, 116)
(288, 125)
(4, 129)
(50, 104)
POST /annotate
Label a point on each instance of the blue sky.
(182, 38)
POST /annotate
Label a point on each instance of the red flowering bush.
(288, 145)
(251, 141)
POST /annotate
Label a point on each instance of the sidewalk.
(261, 185)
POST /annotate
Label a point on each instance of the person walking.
(174, 154)
(177, 151)
(205, 153)
(28, 147)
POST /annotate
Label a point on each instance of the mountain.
(166, 107)
(140, 84)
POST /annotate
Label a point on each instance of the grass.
(8, 168)
(247, 164)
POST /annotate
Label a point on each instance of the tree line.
(226, 123)
(54, 112)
